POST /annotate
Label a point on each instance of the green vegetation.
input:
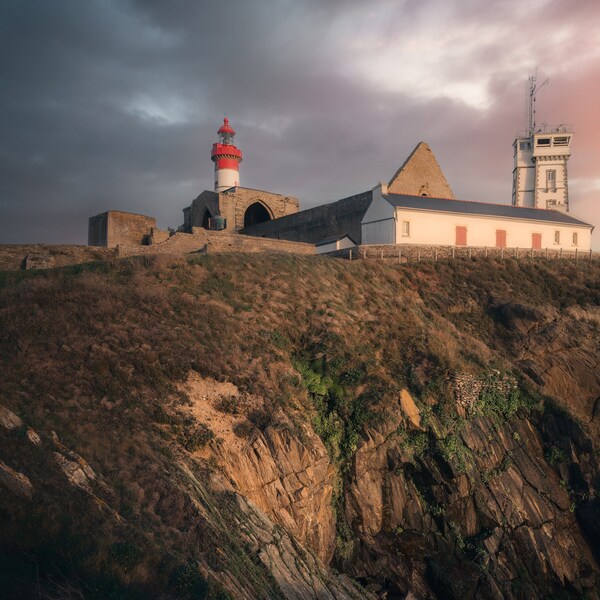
(501, 398)
(555, 455)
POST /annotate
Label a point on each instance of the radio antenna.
(532, 89)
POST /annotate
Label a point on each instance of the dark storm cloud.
(115, 104)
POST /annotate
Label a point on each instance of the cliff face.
(298, 427)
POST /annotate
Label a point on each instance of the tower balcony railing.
(545, 128)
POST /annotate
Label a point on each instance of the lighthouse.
(227, 159)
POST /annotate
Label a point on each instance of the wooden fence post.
(532, 252)
(435, 255)
(576, 253)
(382, 254)
(501, 251)
(399, 256)
(419, 255)
(453, 251)
(560, 253)
(350, 254)
(469, 251)
(517, 252)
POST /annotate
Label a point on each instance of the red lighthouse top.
(225, 147)
(226, 127)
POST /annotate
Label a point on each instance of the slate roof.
(482, 208)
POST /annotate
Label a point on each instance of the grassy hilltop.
(277, 426)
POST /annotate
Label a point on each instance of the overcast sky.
(114, 104)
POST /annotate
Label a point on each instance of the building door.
(536, 241)
(500, 238)
(461, 235)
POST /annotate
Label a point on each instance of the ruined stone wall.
(98, 230)
(128, 228)
(14, 257)
(319, 223)
(233, 204)
(206, 200)
(236, 203)
(202, 241)
(115, 227)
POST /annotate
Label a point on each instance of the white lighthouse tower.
(541, 155)
(227, 159)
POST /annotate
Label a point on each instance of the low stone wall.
(205, 241)
(14, 257)
(403, 253)
(218, 241)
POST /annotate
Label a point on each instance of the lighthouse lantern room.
(227, 159)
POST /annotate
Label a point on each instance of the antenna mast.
(533, 89)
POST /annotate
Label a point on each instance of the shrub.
(555, 455)
(125, 554)
(193, 435)
(188, 582)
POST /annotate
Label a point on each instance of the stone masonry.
(116, 227)
(315, 224)
(233, 205)
(420, 175)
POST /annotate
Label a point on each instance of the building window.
(575, 239)
(524, 146)
(557, 237)
(543, 141)
(405, 228)
(551, 180)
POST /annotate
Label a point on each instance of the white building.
(342, 242)
(403, 219)
(540, 172)
(540, 169)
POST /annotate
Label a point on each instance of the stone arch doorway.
(205, 218)
(256, 213)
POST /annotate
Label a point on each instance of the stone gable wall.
(421, 175)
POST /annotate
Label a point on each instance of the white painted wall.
(342, 244)
(379, 232)
(438, 228)
(225, 179)
(378, 222)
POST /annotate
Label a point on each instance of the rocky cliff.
(300, 427)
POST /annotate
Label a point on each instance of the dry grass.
(101, 354)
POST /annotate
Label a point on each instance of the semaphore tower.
(541, 154)
(227, 158)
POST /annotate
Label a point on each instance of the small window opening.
(557, 237)
(575, 239)
(405, 228)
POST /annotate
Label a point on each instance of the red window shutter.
(500, 238)
(461, 235)
(536, 241)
